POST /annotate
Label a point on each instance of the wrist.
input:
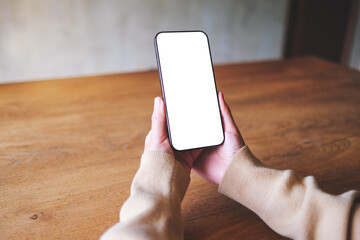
(226, 163)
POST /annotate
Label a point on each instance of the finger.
(158, 123)
(147, 138)
(229, 123)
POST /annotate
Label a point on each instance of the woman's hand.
(157, 139)
(212, 162)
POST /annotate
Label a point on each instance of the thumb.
(158, 123)
(229, 123)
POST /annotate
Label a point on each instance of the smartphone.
(189, 90)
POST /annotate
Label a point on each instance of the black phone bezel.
(163, 92)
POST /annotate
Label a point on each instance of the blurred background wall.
(353, 59)
(46, 39)
(42, 39)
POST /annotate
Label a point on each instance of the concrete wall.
(354, 58)
(42, 39)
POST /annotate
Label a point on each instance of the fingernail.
(156, 103)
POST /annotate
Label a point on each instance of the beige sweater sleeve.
(153, 209)
(291, 205)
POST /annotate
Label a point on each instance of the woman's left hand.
(157, 139)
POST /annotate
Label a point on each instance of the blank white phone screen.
(189, 90)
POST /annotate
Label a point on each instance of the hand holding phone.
(189, 90)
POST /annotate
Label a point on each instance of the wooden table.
(70, 148)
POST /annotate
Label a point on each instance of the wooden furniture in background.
(323, 28)
(70, 148)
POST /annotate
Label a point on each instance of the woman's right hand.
(213, 162)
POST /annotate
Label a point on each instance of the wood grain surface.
(69, 148)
